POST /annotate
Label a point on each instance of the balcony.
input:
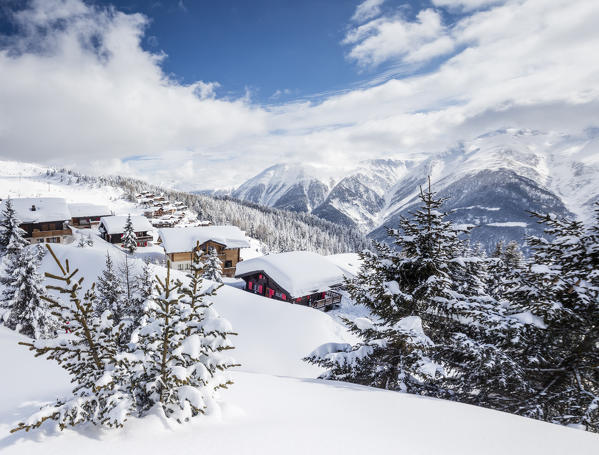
(57, 233)
(327, 302)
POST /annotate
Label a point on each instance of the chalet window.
(283, 296)
(228, 264)
(259, 289)
(250, 285)
(299, 299)
(260, 277)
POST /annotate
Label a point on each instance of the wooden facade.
(260, 283)
(83, 222)
(47, 231)
(229, 257)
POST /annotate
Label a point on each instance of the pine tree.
(10, 232)
(213, 267)
(181, 344)
(559, 294)
(23, 298)
(81, 243)
(110, 292)
(89, 353)
(129, 239)
(434, 330)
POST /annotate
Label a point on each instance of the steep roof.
(37, 210)
(116, 224)
(83, 209)
(298, 272)
(183, 239)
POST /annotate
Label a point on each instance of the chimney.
(33, 209)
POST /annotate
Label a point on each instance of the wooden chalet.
(299, 277)
(43, 219)
(87, 215)
(178, 244)
(112, 228)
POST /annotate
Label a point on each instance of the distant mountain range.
(490, 182)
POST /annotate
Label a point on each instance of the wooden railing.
(327, 301)
(57, 233)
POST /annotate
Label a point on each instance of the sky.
(203, 94)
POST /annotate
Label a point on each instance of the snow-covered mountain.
(491, 182)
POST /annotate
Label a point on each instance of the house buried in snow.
(43, 219)
(87, 215)
(112, 229)
(298, 277)
(178, 244)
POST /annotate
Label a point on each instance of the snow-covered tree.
(213, 267)
(110, 291)
(11, 235)
(181, 343)
(434, 330)
(26, 311)
(81, 243)
(88, 351)
(559, 294)
(129, 239)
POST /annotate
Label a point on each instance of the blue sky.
(278, 50)
(177, 92)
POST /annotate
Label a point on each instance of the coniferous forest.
(500, 331)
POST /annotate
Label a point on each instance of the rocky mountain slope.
(491, 182)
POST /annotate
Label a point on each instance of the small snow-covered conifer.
(27, 311)
(129, 239)
(213, 267)
(110, 291)
(11, 235)
(181, 342)
(88, 351)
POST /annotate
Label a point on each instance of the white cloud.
(466, 5)
(390, 38)
(367, 10)
(89, 95)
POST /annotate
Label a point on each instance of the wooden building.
(87, 215)
(112, 228)
(299, 277)
(178, 244)
(43, 219)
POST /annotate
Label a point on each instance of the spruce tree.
(434, 330)
(27, 311)
(10, 232)
(559, 295)
(88, 351)
(213, 267)
(110, 292)
(180, 344)
(129, 239)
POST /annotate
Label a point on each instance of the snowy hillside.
(274, 406)
(491, 182)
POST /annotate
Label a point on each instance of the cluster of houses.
(160, 211)
(298, 277)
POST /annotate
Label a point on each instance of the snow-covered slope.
(491, 181)
(274, 406)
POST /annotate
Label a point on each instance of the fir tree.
(559, 294)
(181, 344)
(110, 291)
(11, 235)
(23, 298)
(129, 239)
(213, 267)
(434, 331)
(81, 243)
(89, 353)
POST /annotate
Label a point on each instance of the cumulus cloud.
(385, 38)
(466, 5)
(77, 88)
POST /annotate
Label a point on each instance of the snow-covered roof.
(46, 209)
(83, 209)
(183, 239)
(298, 272)
(350, 263)
(116, 224)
